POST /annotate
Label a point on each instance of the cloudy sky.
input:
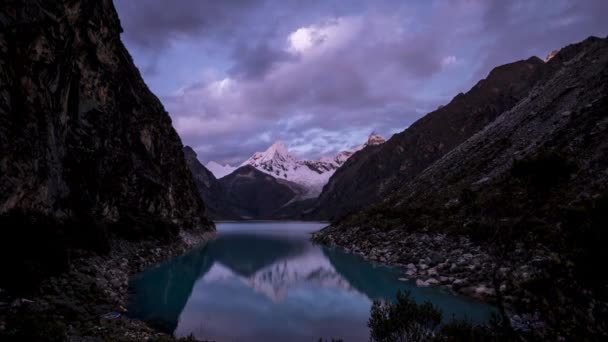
(236, 75)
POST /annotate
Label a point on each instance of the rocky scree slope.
(374, 172)
(529, 192)
(89, 158)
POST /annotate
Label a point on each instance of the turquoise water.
(265, 281)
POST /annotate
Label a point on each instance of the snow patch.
(219, 170)
(312, 174)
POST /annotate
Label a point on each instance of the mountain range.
(502, 192)
(270, 184)
(372, 174)
(279, 163)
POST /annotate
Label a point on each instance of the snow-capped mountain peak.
(312, 174)
(276, 153)
(220, 170)
(278, 162)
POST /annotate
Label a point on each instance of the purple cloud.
(237, 75)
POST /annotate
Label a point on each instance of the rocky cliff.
(518, 208)
(92, 175)
(88, 152)
(374, 172)
(81, 134)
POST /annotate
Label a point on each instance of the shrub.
(403, 320)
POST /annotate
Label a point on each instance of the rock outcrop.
(81, 134)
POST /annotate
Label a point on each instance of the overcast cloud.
(321, 75)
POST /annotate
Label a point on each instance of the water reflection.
(266, 281)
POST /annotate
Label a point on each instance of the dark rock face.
(87, 151)
(531, 188)
(210, 188)
(373, 173)
(81, 135)
(549, 149)
(253, 194)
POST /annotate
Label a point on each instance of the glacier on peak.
(312, 174)
(220, 170)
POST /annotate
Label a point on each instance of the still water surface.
(265, 281)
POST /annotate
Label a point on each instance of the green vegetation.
(404, 320)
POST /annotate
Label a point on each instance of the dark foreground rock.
(81, 134)
(93, 180)
(71, 306)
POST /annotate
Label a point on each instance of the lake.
(265, 281)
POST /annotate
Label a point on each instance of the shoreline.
(72, 305)
(452, 263)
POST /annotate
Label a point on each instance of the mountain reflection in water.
(266, 281)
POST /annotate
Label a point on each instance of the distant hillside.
(253, 194)
(244, 194)
(209, 188)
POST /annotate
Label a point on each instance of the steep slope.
(531, 189)
(88, 157)
(81, 135)
(209, 187)
(253, 194)
(374, 172)
(557, 129)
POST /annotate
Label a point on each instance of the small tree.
(403, 321)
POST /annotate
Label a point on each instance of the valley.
(134, 208)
